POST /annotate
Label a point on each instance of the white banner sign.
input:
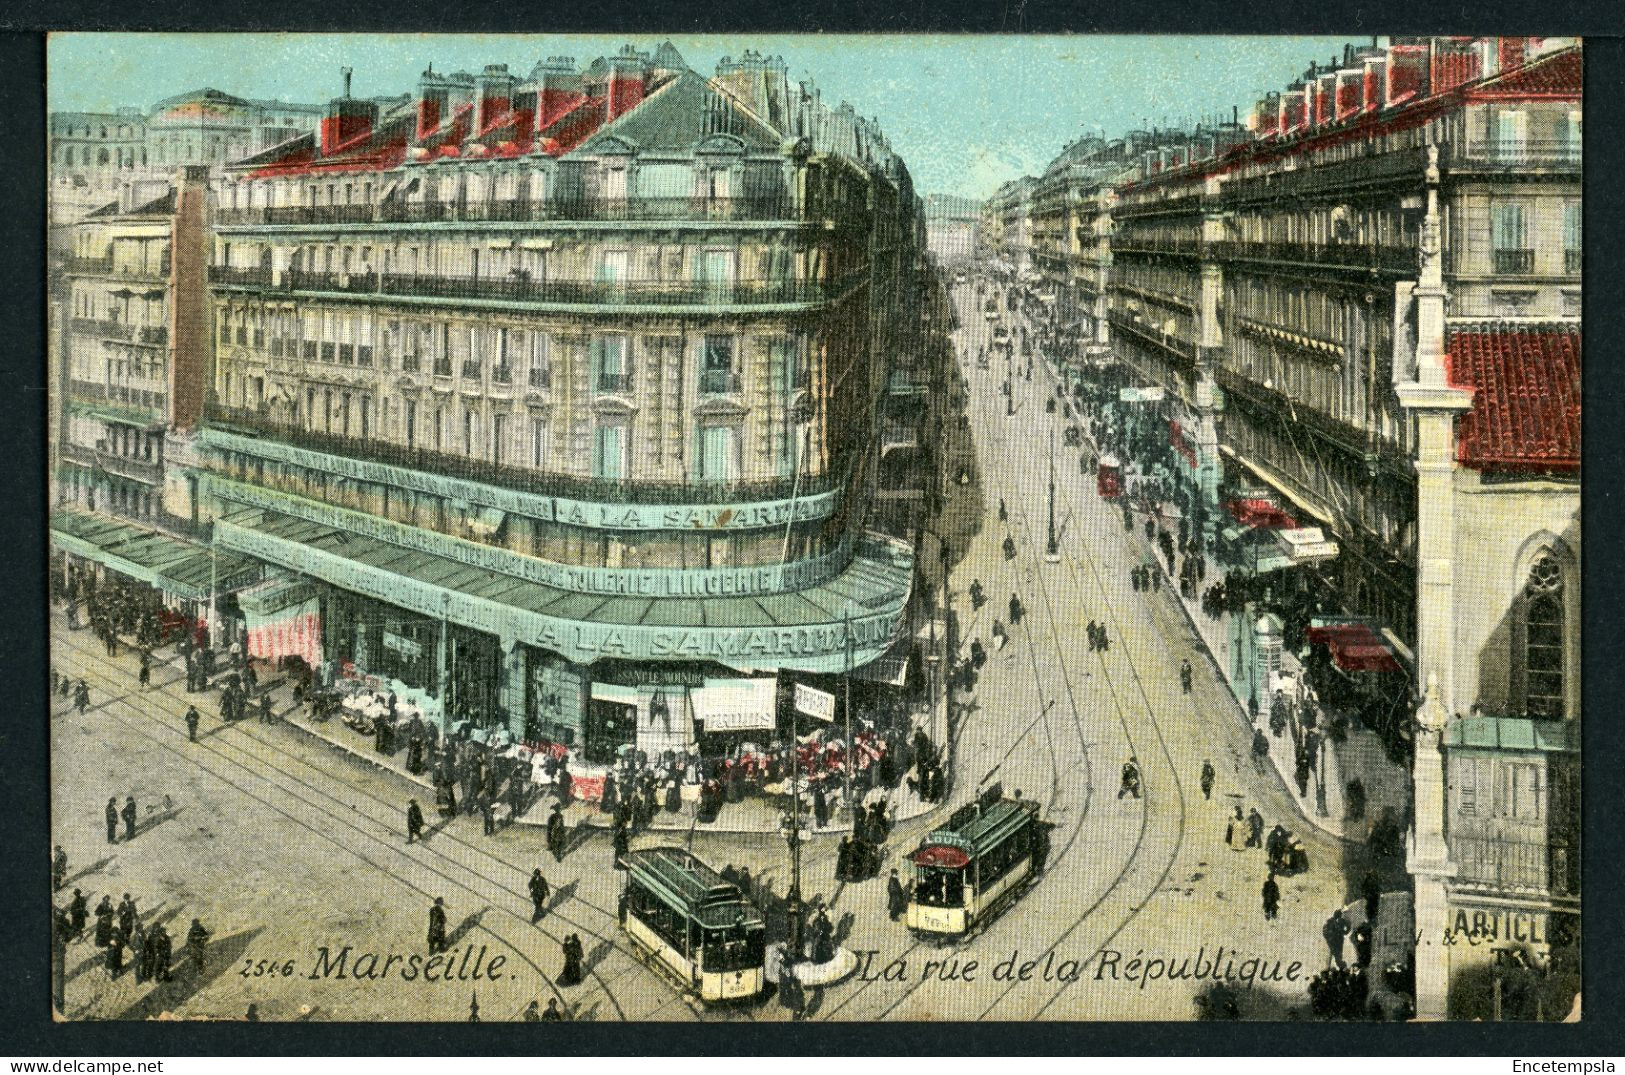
(743, 705)
(1140, 395)
(814, 702)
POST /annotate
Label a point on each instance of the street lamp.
(1052, 552)
(792, 900)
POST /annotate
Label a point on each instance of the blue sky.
(966, 112)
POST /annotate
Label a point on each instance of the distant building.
(951, 225)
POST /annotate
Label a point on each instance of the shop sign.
(408, 648)
(1140, 395)
(743, 705)
(1475, 927)
(814, 702)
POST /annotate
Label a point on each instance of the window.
(614, 374)
(1571, 237)
(411, 423)
(540, 370)
(499, 434)
(471, 431)
(538, 443)
(609, 452)
(719, 453)
(1509, 239)
(1543, 649)
(717, 365)
(1509, 136)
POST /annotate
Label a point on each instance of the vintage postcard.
(767, 528)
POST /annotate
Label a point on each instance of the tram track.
(137, 702)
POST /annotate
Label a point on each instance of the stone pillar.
(512, 694)
(1434, 404)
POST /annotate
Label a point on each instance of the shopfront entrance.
(612, 722)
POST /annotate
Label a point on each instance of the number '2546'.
(267, 968)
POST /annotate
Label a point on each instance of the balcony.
(1514, 262)
(223, 274)
(153, 334)
(145, 471)
(472, 371)
(1521, 152)
(107, 329)
(442, 367)
(344, 282)
(601, 490)
(410, 364)
(89, 265)
(579, 292)
(719, 382)
(1153, 335)
(682, 208)
(1156, 244)
(618, 383)
(1370, 257)
(502, 374)
(541, 378)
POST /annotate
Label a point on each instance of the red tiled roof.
(1526, 400)
(1561, 74)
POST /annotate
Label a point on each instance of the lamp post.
(1052, 552)
(792, 900)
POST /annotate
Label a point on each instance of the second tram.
(965, 873)
(697, 927)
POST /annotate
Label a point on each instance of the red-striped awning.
(1260, 513)
(1355, 647)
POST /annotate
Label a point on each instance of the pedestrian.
(140, 957)
(115, 956)
(1371, 891)
(1361, 936)
(266, 716)
(539, 895)
(129, 817)
(126, 916)
(161, 952)
(820, 805)
(59, 868)
(552, 1014)
(896, 896)
(78, 912)
(843, 859)
(414, 821)
(144, 676)
(81, 696)
(1272, 897)
(488, 816)
(1335, 930)
(1185, 675)
(621, 842)
(196, 938)
(1208, 776)
(1255, 828)
(112, 820)
(191, 723)
(571, 950)
(437, 926)
(533, 1012)
(1131, 779)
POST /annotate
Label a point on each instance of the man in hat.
(437, 926)
(126, 916)
(896, 896)
(78, 912)
(414, 821)
(1208, 776)
(1272, 897)
(539, 894)
(191, 722)
(112, 820)
(555, 833)
(129, 817)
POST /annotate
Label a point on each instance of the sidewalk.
(752, 814)
(1360, 755)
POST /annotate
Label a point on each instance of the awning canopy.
(172, 564)
(1260, 513)
(1514, 733)
(1355, 645)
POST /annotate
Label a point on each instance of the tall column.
(1209, 344)
(1434, 404)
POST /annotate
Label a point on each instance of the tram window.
(736, 948)
(938, 887)
(666, 923)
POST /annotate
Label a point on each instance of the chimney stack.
(628, 76)
(493, 96)
(347, 119)
(558, 89)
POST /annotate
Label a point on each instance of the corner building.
(555, 399)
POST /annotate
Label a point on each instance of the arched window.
(1543, 644)
(101, 156)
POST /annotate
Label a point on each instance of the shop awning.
(172, 564)
(1355, 645)
(1514, 733)
(280, 591)
(1260, 513)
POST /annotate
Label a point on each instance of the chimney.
(347, 120)
(1511, 52)
(628, 72)
(1407, 73)
(190, 368)
(432, 99)
(1292, 112)
(558, 89)
(1375, 79)
(493, 96)
(1326, 99)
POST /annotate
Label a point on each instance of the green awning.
(806, 630)
(107, 412)
(1514, 733)
(172, 564)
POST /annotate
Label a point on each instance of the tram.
(1109, 478)
(966, 873)
(699, 929)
